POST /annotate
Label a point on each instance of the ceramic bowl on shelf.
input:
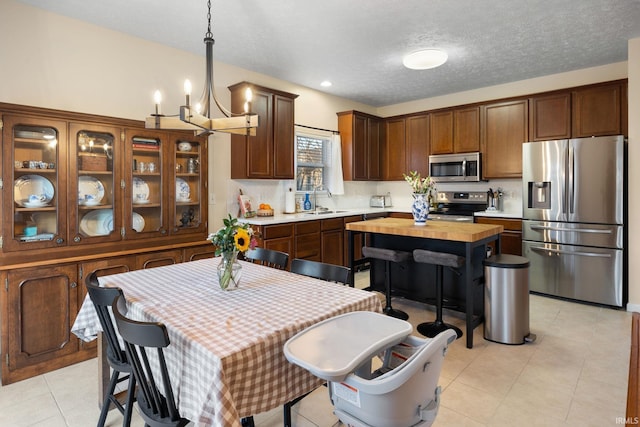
(184, 146)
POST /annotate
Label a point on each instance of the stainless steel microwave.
(464, 167)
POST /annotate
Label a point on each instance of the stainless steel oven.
(463, 167)
(458, 206)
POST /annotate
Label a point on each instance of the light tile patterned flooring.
(575, 374)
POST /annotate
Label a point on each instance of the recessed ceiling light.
(425, 59)
(325, 83)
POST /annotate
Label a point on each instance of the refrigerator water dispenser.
(539, 195)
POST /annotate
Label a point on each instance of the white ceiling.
(359, 44)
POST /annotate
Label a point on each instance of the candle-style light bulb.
(187, 91)
(157, 98)
(248, 97)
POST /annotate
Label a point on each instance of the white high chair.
(404, 392)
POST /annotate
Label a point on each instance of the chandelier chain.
(209, 34)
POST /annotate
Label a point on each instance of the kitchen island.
(417, 281)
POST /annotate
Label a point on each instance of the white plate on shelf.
(97, 223)
(141, 202)
(138, 222)
(28, 185)
(140, 191)
(183, 191)
(34, 204)
(90, 190)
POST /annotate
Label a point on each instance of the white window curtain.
(335, 182)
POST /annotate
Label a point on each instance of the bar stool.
(388, 256)
(440, 260)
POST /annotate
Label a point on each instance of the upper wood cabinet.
(455, 130)
(395, 151)
(417, 143)
(504, 129)
(361, 143)
(596, 110)
(550, 117)
(269, 154)
(466, 129)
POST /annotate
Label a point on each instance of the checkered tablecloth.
(226, 355)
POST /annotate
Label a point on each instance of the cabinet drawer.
(508, 224)
(307, 227)
(277, 231)
(332, 224)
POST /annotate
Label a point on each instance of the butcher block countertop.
(442, 230)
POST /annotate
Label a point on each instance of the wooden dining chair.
(268, 257)
(116, 356)
(156, 409)
(321, 270)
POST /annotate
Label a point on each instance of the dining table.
(226, 358)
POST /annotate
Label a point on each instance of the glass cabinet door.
(145, 198)
(189, 196)
(94, 184)
(34, 195)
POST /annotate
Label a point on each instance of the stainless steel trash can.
(506, 299)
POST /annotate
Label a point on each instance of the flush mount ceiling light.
(198, 118)
(325, 83)
(425, 59)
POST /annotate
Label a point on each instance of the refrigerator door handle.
(580, 253)
(570, 179)
(573, 230)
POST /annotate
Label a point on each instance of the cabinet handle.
(74, 285)
(77, 239)
(59, 240)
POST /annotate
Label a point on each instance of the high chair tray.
(335, 347)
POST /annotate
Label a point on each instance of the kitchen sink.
(323, 212)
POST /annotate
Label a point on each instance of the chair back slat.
(267, 257)
(102, 299)
(322, 270)
(140, 337)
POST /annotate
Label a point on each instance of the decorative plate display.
(33, 189)
(140, 191)
(90, 190)
(183, 191)
(138, 222)
(97, 223)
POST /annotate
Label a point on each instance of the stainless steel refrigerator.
(573, 214)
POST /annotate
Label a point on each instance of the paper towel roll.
(290, 202)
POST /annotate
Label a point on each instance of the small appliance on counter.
(383, 201)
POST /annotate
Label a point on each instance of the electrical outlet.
(212, 198)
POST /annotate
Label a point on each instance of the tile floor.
(575, 374)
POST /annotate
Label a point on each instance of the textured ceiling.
(359, 44)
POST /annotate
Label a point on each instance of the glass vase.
(229, 271)
(420, 208)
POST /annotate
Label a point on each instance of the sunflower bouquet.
(229, 240)
(233, 237)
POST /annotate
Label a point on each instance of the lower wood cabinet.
(332, 240)
(40, 303)
(511, 238)
(307, 240)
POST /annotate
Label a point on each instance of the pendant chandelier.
(198, 118)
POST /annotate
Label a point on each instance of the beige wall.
(55, 62)
(634, 175)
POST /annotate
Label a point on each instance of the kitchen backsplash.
(357, 193)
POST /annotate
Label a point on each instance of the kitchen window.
(312, 161)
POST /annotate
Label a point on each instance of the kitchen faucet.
(315, 197)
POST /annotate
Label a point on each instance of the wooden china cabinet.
(84, 193)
